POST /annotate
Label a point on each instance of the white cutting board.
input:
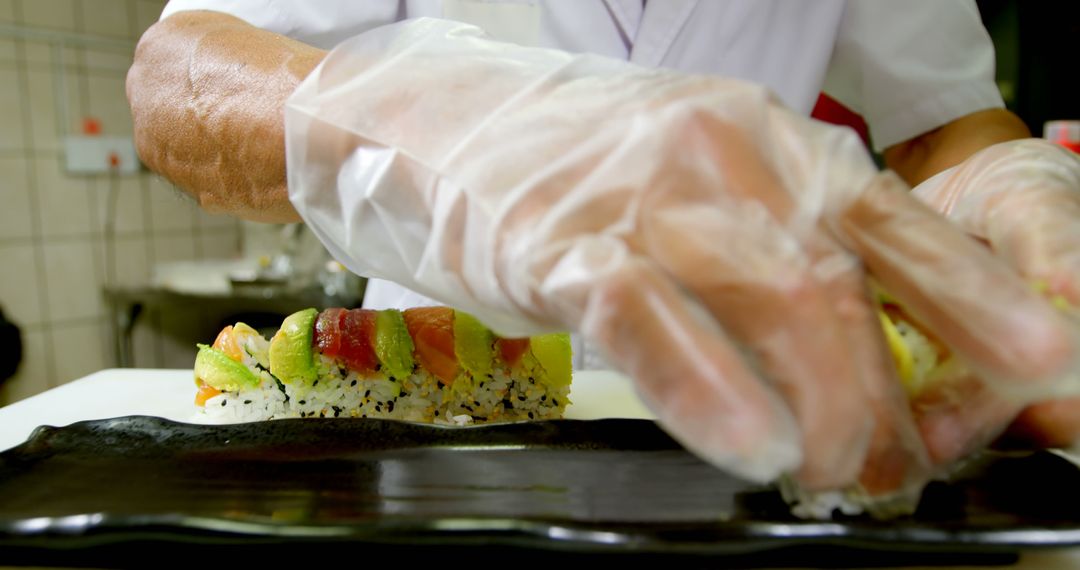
(170, 394)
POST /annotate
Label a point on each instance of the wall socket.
(100, 155)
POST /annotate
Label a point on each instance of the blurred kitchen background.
(104, 264)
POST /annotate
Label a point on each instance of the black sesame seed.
(223, 403)
(531, 379)
(303, 402)
(392, 379)
(247, 401)
(390, 406)
(467, 407)
(353, 383)
(378, 367)
(436, 413)
(368, 393)
(555, 401)
(316, 383)
(521, 397)
(378, 408)
(507, 404)
(530, 415)
(490, 377)
(543, 398)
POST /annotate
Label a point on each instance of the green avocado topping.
(474, 344)
(553, 354)
(393, 345)
(291, 356)
(216, 369)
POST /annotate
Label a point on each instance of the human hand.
(207, 94)
(716, 245)
(1022, 199)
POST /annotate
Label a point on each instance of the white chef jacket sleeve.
(320, 23)
(909, 67)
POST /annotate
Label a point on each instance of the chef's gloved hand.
(1022, 198)
(713, 243)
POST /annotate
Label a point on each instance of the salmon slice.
(432, 331)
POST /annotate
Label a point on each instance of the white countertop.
(170, 393)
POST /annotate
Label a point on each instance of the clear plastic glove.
(711, 241)
(1022, 198)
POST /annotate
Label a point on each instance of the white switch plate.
(95, 155)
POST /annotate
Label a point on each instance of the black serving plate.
(108, 492)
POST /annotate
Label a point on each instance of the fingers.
(690, 374)
(795, 302)
(959, 415)
(762, 289)
(1038, 233)
(972, 301)
(896, 461)
(1047, 424)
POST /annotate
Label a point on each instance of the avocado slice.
(291, 357)
(393, 345)
(474, 344)
(216, 369)
(553, 353)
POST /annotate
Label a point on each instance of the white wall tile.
(219, 243)
(131, 258)
(129, 214)
(33, 375)
(15, 215)
(43, 110)
(108, 103)
(49, 13)
(7, 10)
(7, 51)
(65, 202)
(11, 120)
(80, 350)
(20, 289)
(105, 17)
(109, 60)
(170, 209)
(38, 55)
(177, 247)
(72, 289)
(45, 86)
(216, 221)
(147, 13)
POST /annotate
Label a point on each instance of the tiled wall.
(53, 248)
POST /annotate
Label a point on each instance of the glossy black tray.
(99, 492)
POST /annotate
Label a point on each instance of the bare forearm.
(930, 153)
(207, 94)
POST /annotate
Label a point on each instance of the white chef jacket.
(906, 66)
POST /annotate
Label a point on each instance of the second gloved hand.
(713, 243)
(1021, 198)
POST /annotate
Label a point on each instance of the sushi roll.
(429, 364)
